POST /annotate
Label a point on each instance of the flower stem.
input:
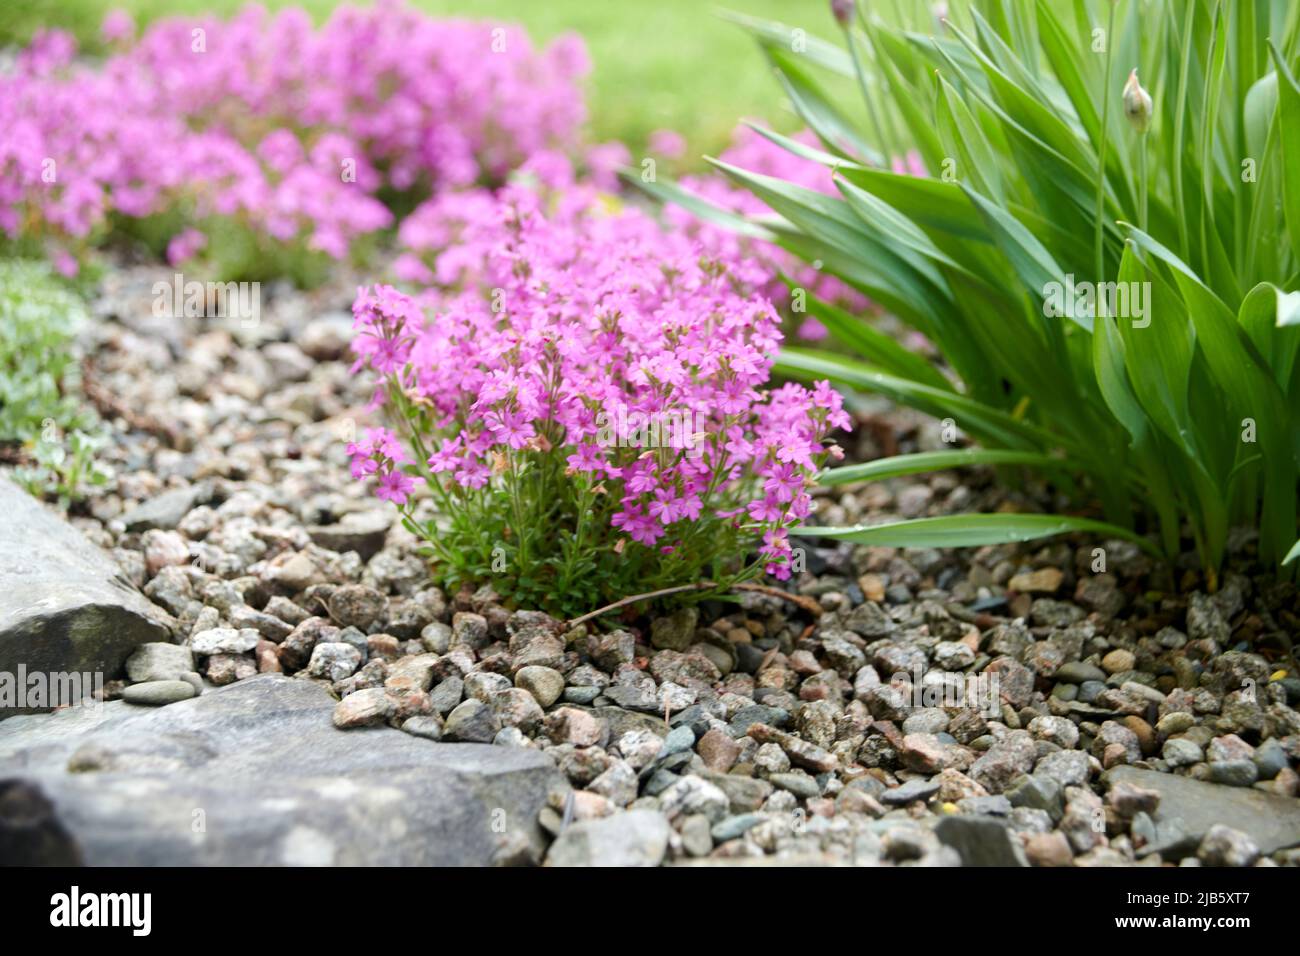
(1142, 183)
(1101, 154)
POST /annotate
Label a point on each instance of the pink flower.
(117, 25)
(639, 526)
(586, 458)
(765, 510)
(810, 330)
(783, 482)
(363, 467)
(65, 263)
(395, 487)
(473, 473)
(185, 245)
(668, 143)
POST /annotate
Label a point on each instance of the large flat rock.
(1270, 819)
(65, 607)
(255, 774)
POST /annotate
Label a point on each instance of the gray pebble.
(156, 693)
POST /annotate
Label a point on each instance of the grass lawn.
(657, 63)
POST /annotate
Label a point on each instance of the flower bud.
(1137, 103)
(842, 10)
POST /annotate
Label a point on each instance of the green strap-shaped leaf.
(1029, 257)
(987, 423)
(931, 203)
(898, 57)
(971, 531)
(891, 226)
(816, 109)
(829, 219)
(961, 133)
(857, 333)
(1159, 349)
(925, 461)
(1247, 384)
(667, 191)
(1289, 127)
(1271, 318)
(773, 33)
(803, 150)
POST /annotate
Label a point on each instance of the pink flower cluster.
(292, 128)
(380, 455)
(564, 329)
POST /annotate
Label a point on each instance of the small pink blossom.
(117, 25)
(396, 486)
(668, 143)
(185, 245)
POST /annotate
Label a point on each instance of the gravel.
(722, 731)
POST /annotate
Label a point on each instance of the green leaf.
(773, 33)
(1060, 161)
(1249, 391)
(898, 57)
(803, 150)
(817, 110)
(1271, 318)
(961, 134)
(856, 333)
(1258, 112)
(667, 191)
(911, 244)
(931, 203)
(1293, 553)
(1063, 53)
(1289, 127)
(970, 531)
(920, 462)
(1160, 353)
(983, 421)
(1030, 259)
(888, 277)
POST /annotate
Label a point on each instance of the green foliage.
(969, 531)
(42, 422)
(64, 469)
(38, 317)
(545, 540)
(1181, 407)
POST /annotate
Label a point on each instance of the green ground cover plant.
(44, 424)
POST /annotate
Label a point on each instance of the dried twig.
(109, 405)
(807, 603)
(12, 453)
